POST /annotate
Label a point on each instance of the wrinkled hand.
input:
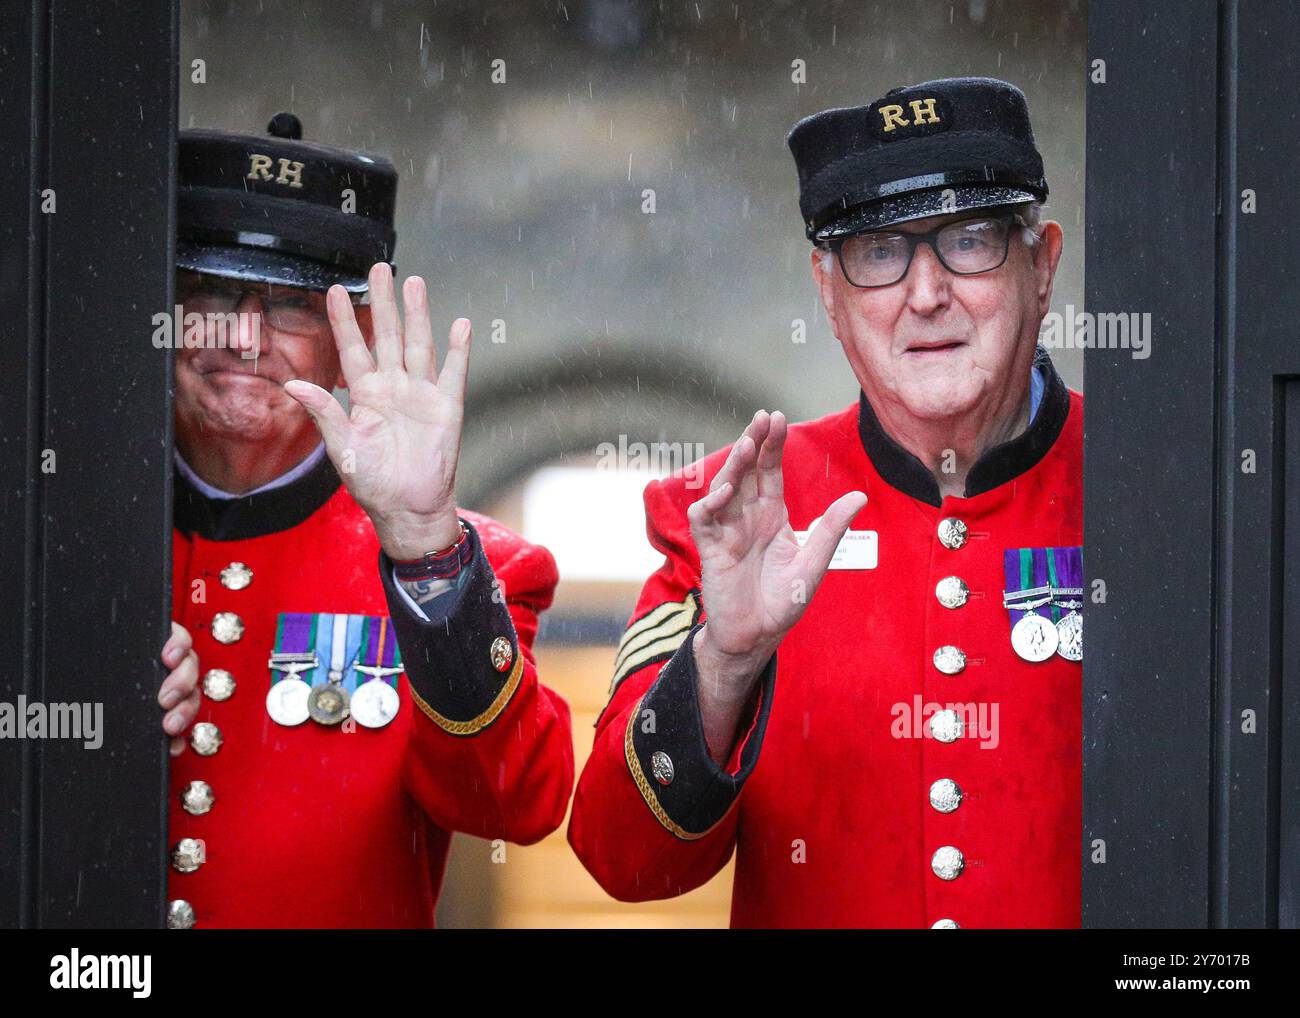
(397, 451)
(756, 578)
(179, 693)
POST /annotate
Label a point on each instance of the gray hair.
(1029, 218)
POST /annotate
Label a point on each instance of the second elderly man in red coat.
(902, 749)
(361, 680)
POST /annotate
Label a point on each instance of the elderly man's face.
(237, 393)
(936, 344)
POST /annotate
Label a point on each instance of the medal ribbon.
(324, 647)
(379, 647)
(364, 639)
(1069, 567)
(356, 626)
(1052, 580)
(338, 639)
(1024, 569)
(295, 633)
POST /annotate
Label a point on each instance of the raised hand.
(398, 448)
(756, 579)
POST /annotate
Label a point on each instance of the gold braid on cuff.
(647, 793)
(474, 725)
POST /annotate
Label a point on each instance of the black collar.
(901, 470)
(237, 519)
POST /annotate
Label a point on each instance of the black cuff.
(464, 666)
(670, 763)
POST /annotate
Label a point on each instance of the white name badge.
(858, 549)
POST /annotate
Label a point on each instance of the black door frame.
(1194, 814)
(1185, 679)
(88, 121)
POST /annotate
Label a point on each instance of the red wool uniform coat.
(347, 826)
(827, 799)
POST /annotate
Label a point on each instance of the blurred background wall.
(603, 187)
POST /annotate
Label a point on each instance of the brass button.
(946, 726)
(945, 795)
(180, 915)
(661, 765)
(951, 591)
(197, 798)
(218, 684)
(947, 863)
(188, 855)
(227, 627)
(952, 532)
(205, 737)
(949, 660)
(236, 576)
(501, 653)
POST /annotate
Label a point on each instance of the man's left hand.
(397, 450)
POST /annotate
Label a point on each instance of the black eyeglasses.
(287, 308)
(965, 248)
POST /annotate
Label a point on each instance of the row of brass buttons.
(946, 726)
(197, 798)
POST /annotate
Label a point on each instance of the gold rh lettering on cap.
(893, 117)
(923, 111)
(259, 167)
(290, 173)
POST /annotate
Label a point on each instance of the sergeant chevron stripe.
(655, 635)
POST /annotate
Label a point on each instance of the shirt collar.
(200, 509)
(209, 491)
(901, 470)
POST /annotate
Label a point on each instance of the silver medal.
(1070, 637)
(287, 701)
(1034, 638)
(375, 703)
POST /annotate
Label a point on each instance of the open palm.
(397, 449)
(756, 578)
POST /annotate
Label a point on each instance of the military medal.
(1033, 637)
(376, 702)
(1045, 577)
(1065, 567)
(286, 701)
(1070, 631)
(330, 704)
(294, 654)
(331, 666)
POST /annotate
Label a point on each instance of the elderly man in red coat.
(904, 748)
(367, 679)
